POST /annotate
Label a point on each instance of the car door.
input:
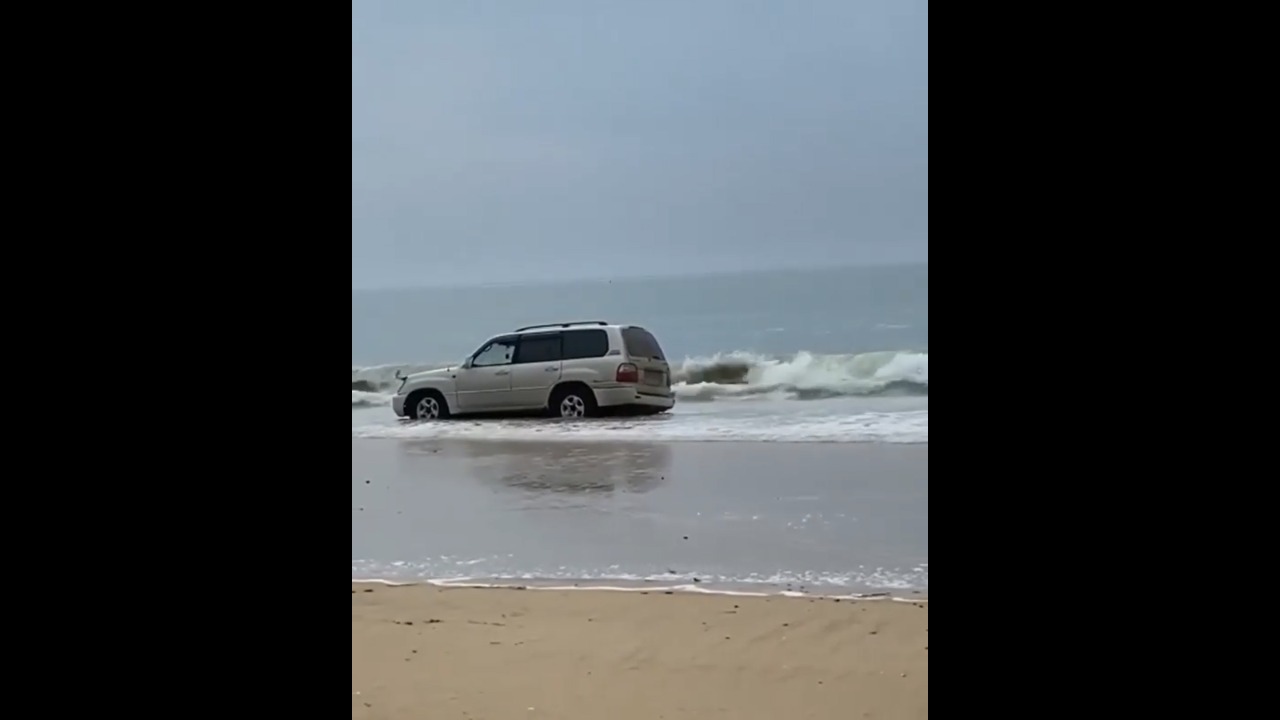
(485, 386)
(536, 370)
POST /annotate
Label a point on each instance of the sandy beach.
(424, 652)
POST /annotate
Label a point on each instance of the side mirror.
(466, 364)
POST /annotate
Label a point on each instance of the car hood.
(438, 372)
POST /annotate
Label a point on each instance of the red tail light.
(628, 373)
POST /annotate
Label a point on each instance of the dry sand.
(423, 652)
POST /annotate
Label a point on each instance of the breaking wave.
(736, 375)
(803, 376)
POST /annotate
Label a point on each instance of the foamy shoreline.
(647, 588)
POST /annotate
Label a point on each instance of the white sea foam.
(887, 427)
(363, 398)
(852, 586)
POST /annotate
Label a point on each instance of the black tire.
(417, 404)
(564, 397)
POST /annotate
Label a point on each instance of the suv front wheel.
(427, 406)
(573, 402)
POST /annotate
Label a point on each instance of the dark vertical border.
(200, 153)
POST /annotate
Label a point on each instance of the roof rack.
(563, 325)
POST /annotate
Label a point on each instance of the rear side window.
(585, 344)
(538, 348)
(641, 343)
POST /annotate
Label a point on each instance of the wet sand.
(491, 653)
(837, 518)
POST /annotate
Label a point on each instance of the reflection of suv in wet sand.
(572, 369)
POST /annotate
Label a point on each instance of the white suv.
(572, 369)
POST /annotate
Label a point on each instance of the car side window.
(538, 348)
(585, 344)
(498, 352)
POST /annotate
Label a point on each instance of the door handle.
(503, 372)
(553, 369)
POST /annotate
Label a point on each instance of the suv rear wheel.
(573, 401)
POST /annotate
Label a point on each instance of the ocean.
(796, 456)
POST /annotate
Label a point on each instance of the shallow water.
(809, 516)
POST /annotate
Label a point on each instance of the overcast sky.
(503, 140)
